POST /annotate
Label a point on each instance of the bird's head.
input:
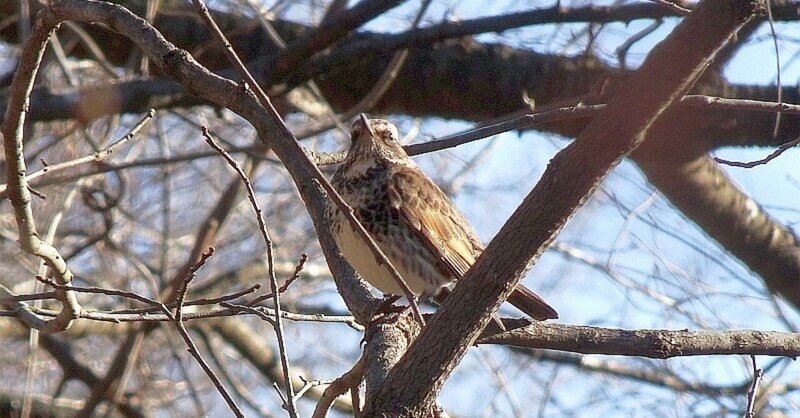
(375, 138)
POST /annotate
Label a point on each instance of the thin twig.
(751, 394)
(516, 122)
(338, 387)
(97, 290)
(775, 154)
(144, 162)
(677, 8)
(255, 311)
(194, 302)
(232, 310)
(312, 169)
(186, 280)
(224, 298)
(739, 104)
(155, 306)
(778, 82)
(622, 50)
(273, 281)
(309, 384)
(298, 268)
(177, 318)
(93, 49)
(27, 297)
(238, 387)
(511, 124)
(280, 393)
(196, 354)
(94, 157)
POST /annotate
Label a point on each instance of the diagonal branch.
(701, 190)
(332, 30)
(201, 82)
(307, 169)
(413, 385)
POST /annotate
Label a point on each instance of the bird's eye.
(390, 133)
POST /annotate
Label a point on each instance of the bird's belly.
(422, 277)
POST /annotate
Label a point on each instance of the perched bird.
(414, 223)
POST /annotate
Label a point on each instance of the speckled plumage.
(414, 223)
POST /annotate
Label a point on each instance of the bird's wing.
(434, 219)
(443, 229)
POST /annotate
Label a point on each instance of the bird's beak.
(366, 123)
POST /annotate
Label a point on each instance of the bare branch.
(308, 168)
(13, 128)
(644, 342)
(340, 386)
(177, 318)
(751, 394)
(332, 30)
(298, 268)
(262, 226)
(97, 156)
(702, 101)
(775, 154)
(412, 386)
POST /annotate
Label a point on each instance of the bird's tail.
(525, 300)
(522, 298)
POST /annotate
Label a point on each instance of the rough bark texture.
(458, 78)
(412, 386)
(388, 338)
(702, 191)
(646, 342)
(553, 78)
(468, 80)
(464, 79)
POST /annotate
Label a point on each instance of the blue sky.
(657, 255)
(653, 264)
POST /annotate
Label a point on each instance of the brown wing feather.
(435, 219)
(445, 231)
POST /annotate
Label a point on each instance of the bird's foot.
(382, 313)
(388, 306)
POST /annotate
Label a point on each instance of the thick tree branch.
(432, 82)
(412, 386)
(651, 343)
(702, 191)
(331, 31)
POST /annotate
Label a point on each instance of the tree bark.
(413, 385)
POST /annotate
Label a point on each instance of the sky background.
(624, 254)
(654, 249)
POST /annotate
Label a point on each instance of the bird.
(419, 229)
